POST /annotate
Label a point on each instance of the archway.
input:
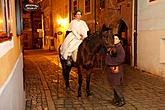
(123, 34)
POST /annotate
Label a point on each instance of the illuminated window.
(5, 20)
(87, 6)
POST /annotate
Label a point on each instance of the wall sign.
(31, 7)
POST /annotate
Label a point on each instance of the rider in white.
(78, 32)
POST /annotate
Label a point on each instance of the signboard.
(31, 7)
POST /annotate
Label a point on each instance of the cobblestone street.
(45, 88)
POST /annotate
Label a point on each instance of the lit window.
(5, 20)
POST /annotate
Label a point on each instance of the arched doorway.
(123, 34)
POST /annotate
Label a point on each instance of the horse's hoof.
(89, 93)
(79, 94)
(67, 90)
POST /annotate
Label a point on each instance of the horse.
(86, 55)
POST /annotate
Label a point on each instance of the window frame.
(75, 5)
(151, 0)
(102, 4)
(18, 14)
(118, 1)
(87, 6)
(6, 33)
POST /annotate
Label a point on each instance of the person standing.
(114, 61)
(78, 31)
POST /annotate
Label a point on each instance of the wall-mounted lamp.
(62, 22)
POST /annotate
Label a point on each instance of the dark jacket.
(116, 78)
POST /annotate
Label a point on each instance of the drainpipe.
(135, 32)
(70, 9)
(31, 17)
(95, 14)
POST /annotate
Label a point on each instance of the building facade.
(114, 13)
(12, 95)
(151, 36)
(133, 20)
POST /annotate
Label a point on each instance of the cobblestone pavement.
(45, 89)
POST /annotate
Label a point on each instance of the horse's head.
(107, 36)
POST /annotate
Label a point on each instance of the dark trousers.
(118, 91)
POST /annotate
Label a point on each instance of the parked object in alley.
(86, 56)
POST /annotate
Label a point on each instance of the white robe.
(73, 39)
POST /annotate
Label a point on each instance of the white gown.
(72, 41)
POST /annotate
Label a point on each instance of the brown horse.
(86, 56)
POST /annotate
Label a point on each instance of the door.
(122, 31)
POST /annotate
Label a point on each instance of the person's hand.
(81, 37)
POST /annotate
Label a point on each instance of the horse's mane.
(91, 40)
(88, 49)
(91, 46)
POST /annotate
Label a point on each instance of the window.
(75, 5)
(151, 0)
(87, 6)
(102, 4)
(119, 1)
(162, 52)
(5, 20)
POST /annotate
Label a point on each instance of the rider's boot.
(115, 100)
(68, 61)
(121, 102)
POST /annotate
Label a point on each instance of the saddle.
(73, 56)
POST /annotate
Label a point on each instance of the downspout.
(31, 17)
(95, 14)
(51, 20)
(70, 9)
(135, 32)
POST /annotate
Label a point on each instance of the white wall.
(12, 96)
(151, 29)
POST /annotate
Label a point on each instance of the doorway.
(123, 34)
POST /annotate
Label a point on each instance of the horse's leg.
(66, 70)
(79, 80)
(88, 78)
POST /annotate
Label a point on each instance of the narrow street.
(45, 89)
